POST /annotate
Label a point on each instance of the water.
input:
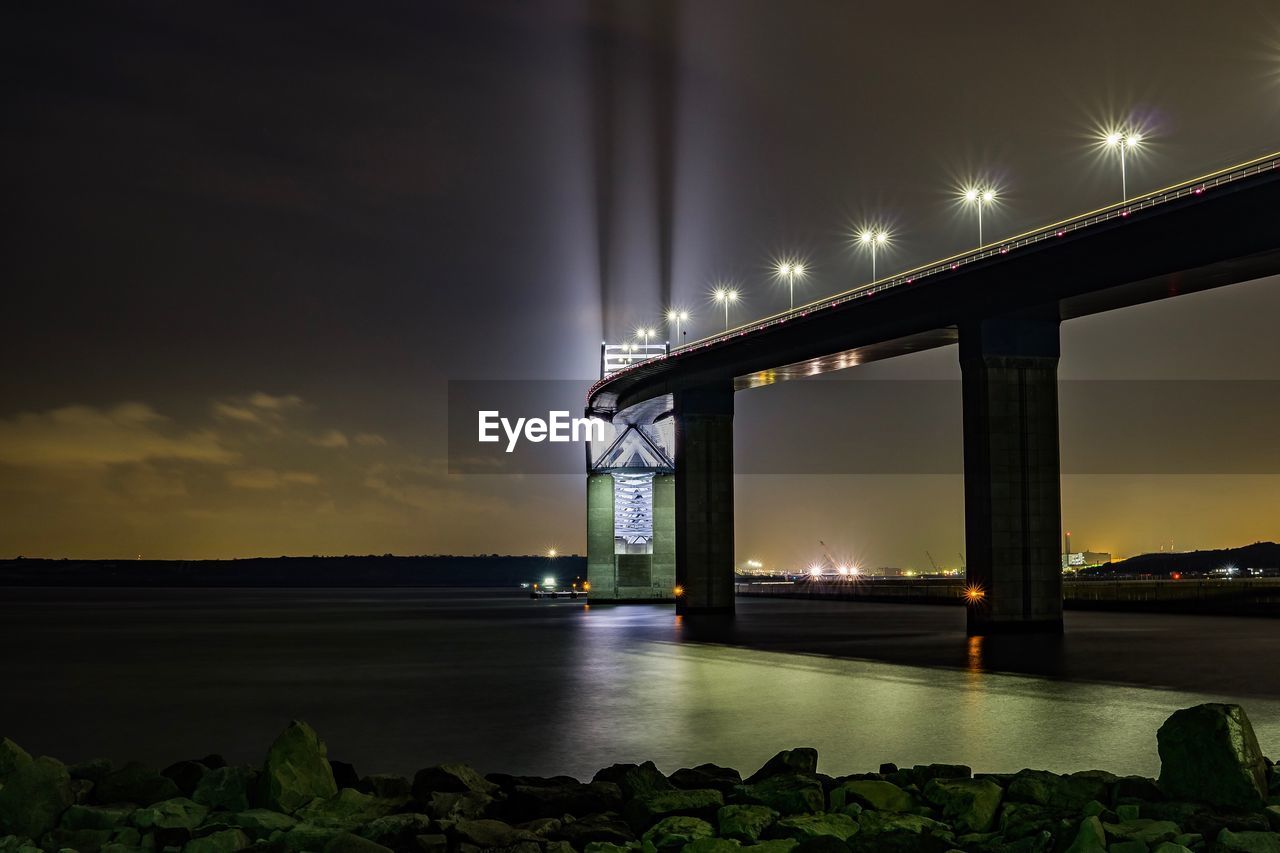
(399, 679)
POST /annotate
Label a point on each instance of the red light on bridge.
(1175, 576)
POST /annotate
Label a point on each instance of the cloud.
(236, 413)
(268, 478)
(369, 439)
(275, 404)
(330, 438)
(88, 437)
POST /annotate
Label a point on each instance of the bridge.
(660, 487)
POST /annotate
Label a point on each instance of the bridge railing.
(1197, 186)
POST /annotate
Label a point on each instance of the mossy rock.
(969, 805)
(12, 757)
(1050, 789)
(297, 769)
(135, 783)
(802, 760)
(226, 788)
(873, 794)
(785, 794)
(34, 796)
(801, 827)
(646, 809)
(260, 823)
(745, 822)
(226, 841)
(1247, 842)
(673, 833)
(95, 817)
(712, 845)
(1209, 754)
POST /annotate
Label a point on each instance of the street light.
(644, 333)
(677, 318)
(1125, 142)
(979, 197)
(790, 271)
(726, 296)
(873, 238)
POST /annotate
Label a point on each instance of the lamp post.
(873, 238)
(677, 318)
(1124, 143)
(790, 271)
(979, 197)
(726, 296)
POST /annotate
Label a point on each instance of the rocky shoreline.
(1216, 792)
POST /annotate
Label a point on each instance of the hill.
(1259, 555)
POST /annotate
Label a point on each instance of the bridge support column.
(663, 573)
(1012, 489)
(704, 499)
(601, 571)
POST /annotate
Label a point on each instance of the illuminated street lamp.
(677, 318)
(644, 333)
(789, 271)
(726, 296)
(1125, 142)
(979, 197)
(873, 239)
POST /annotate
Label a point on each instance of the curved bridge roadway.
(1003, 303)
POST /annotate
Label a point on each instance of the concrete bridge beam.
(1012, 483)
(704, 499)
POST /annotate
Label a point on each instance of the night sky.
(248, 245)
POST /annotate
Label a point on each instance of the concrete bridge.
(660, 489)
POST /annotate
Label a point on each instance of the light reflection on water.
(399, 679)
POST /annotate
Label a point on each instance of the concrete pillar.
(1012, 490)
(704, 498)
(663, 575)
(601, 572)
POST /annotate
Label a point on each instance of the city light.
(552, 552)
(677, 317)
(815, 570)
(973, 594)
(678, 591)
(1125, 142)
(645, 333)
(789, 271)
(548, 582)
(872, 239)
(979, 197)
(586, 586)
(726, 296)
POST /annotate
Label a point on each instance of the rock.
(305, 837)
(672, 833)
(34, 796)
(607, 847)
(81, 789)
(386, 786)
(599, 829)
(467, 805)
(969, 805)
(346, 809)
(432, 843)
(397, 831)
(635, 780)
(491, 833)
(297, 769)
(1170, 847)
(1129, 788)
(745, 822)
(185, 774)
(924, 773)
(1127, 847)
(895, 831)
(804, 826)
(800, 760)
(346, 842)
(543, 827)
(137, 784)
(344, 774)
(1142, 829)
(821, 844)
(873, 794)
(226, 841)
(1206, 820)
(449, 779)
(722, 779)
(1022, 820)
(260, 823)
(1090, 837)
(1050, 789)
(778, 845)
(227, 788)
(12, 757)
(647, 809)
(785, 794)
(711, 845)
(1248, 842)
(530, 801)
(1209, 754)
(177, 813)
(95, 817)
(94, 770)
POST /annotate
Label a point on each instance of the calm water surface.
(399, 679)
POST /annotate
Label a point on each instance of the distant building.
(1085, 559)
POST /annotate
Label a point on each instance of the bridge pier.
(601, 562)
(704, 499)
(1012, 488)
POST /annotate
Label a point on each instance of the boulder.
(711, 845)
(1049, 789)
(804, 826)
(397, 831)
(607, 847)
(34, 796)
(344, 774)
(346, 842)
(260, 823)
(784, 794)
(297, 769)
(491, 833)
(1209, 754)
(305, 837)
(969, 805)
(543, 827)
(745, 822)
(922, 774)
(225, 841)
(467, 805)
(722, 779)
(430, 843)
(177, 813)
(449, 779)
(647, 809)
(821, 844)
(135, 783)
(635, 780)
(1247, 842)
(94, 770)
(346, 809)
(673, 833)
(387, 786)
(873, 794)
(776, 845)
(1170, 847)
(1147, 831)
(800, 760)
(1206, 820)
(185, 774)
(227, 788)
(598, 829)
(532, 801)
(12, 757)
(95, 817)
(1021, 820)
(896, 831)
(80, 840)
(1130, 788)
